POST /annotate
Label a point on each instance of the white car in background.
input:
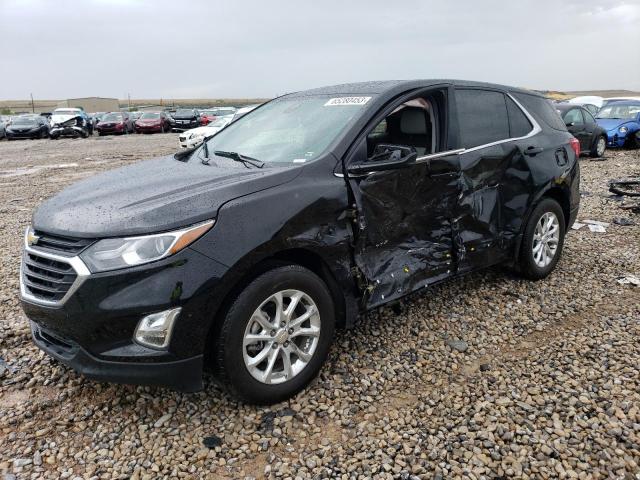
(195, 136)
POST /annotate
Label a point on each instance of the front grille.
(63, 245)
(46, 279)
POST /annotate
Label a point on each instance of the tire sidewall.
(594, 150)
(230, 345)
(528, 263)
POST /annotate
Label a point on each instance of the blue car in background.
(621, 120)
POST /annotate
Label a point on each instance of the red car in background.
(212, 114)
(115, 123)
(153, 122)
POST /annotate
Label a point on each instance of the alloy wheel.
(281, 337)
(600, 146)
(546, 239)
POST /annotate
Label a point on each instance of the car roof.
(623, 102)
(568, 106)
(393, 86)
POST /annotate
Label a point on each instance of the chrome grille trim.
(78, 266)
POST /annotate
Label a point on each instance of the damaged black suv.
(242, 255)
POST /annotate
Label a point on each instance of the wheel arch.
(555, 192)
(297, 256)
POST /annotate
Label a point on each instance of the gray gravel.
(488, 376)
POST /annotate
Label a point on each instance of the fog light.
(155, 330)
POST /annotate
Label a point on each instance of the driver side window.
(411, 124)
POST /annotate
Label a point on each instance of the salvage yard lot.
(546, 382)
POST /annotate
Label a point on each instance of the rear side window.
(482, 117)
(573, 116)
(542, 109)
(519, 124)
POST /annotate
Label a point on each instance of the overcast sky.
(255, 48)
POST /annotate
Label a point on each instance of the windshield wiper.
(238, 157)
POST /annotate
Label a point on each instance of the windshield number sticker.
(347, 101)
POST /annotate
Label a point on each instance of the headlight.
(623, 129)
(114, 253)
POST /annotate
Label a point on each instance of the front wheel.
(276, 335)
(599, 147)
(543, 240)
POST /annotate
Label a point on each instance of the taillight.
(575, 145)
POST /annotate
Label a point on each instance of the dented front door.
(404, 238)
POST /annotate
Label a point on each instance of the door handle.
(533, 151)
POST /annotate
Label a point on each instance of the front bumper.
(181, 127)
(65, 131)
(616, 139)
(30, 134)
(149, 128)
(92, 328)
(184, 375)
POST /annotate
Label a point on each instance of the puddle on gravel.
(17, 172)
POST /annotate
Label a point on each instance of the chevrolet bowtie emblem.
(32, 238)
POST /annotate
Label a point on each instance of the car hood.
(152, 196)
(612, 123)
(55, 119)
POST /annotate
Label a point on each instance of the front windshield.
(289, 129)
(184, 113)
(24, 120)
(112, 117)
(626, 112)
(149, 116)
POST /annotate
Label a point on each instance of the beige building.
(92, 104)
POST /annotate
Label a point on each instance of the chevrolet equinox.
(242, 255)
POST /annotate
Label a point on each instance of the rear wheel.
(599, 147)
(275, 335)
(543, 240)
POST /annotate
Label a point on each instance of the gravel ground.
(488, 376)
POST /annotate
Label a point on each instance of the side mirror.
(385, 157)
(570, 124)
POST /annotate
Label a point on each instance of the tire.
(528, 264)
(599, 147)
(232, 355)
(634, 140)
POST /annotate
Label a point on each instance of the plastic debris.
(629, 280)
(577, 226)
(626, 186)
(597, 228)
(596, 222)
(624, 221)
(212, 441)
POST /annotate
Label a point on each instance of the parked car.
(135, 116)
(621, 120)
(244, 254)
(185, 119)
(242, 111)
(194, 137)
(152, 122)
(27, 126)
(4, 122)
(582, 125)
(211, 114)
(115, 123)
(68, 122)
(591, 102)
(97, 117)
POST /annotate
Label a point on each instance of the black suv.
(185, 119)
(243, 254)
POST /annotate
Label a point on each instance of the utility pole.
(33, 108)
(129, 100)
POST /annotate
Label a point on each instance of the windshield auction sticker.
(333, 102)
